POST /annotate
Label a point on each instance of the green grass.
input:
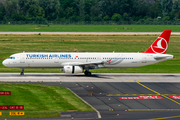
(37, 97)
(32, 115)
(88, 28)
(10, 44)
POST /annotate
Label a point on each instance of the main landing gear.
(87, 73)
(22, 72)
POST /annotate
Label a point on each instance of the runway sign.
(175, 97)
(142, 97)
(16, 113)
(16, 107)
(5, 107)
(5, 92)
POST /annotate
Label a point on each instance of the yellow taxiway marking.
(145, 79)
(124, 79)
(158, 93)
(162, 118)
(154, 78)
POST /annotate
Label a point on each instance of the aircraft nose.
(4, 62)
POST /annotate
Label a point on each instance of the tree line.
(89, 10)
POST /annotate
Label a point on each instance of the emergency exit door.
(22, 58)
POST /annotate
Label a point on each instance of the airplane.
(75, 62)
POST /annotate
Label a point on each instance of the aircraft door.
(22, 58)
(144, 60)
(88, 59)
(56, 60)
(98, 57)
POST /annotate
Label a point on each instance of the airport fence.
(90, 22)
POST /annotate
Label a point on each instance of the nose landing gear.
(22, 72)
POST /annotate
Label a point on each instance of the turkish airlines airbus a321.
(74, 62)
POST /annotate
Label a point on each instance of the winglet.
(160, 45)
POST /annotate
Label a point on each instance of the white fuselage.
(81, 62)
(59, 60)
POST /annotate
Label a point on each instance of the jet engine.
(72, 69)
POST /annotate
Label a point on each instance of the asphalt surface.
(105, 96)
(93, 33)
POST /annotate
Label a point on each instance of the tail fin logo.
(160, 45)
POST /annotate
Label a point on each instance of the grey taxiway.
(103, 91)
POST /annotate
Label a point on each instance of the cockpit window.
(11, 58)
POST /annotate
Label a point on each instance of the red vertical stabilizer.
(160, 45)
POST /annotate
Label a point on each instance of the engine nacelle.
(72, 69)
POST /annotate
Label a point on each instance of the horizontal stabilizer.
(163, 56)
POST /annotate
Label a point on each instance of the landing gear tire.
(87, 73)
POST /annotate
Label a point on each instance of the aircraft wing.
(87, 63)
(91, 64)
